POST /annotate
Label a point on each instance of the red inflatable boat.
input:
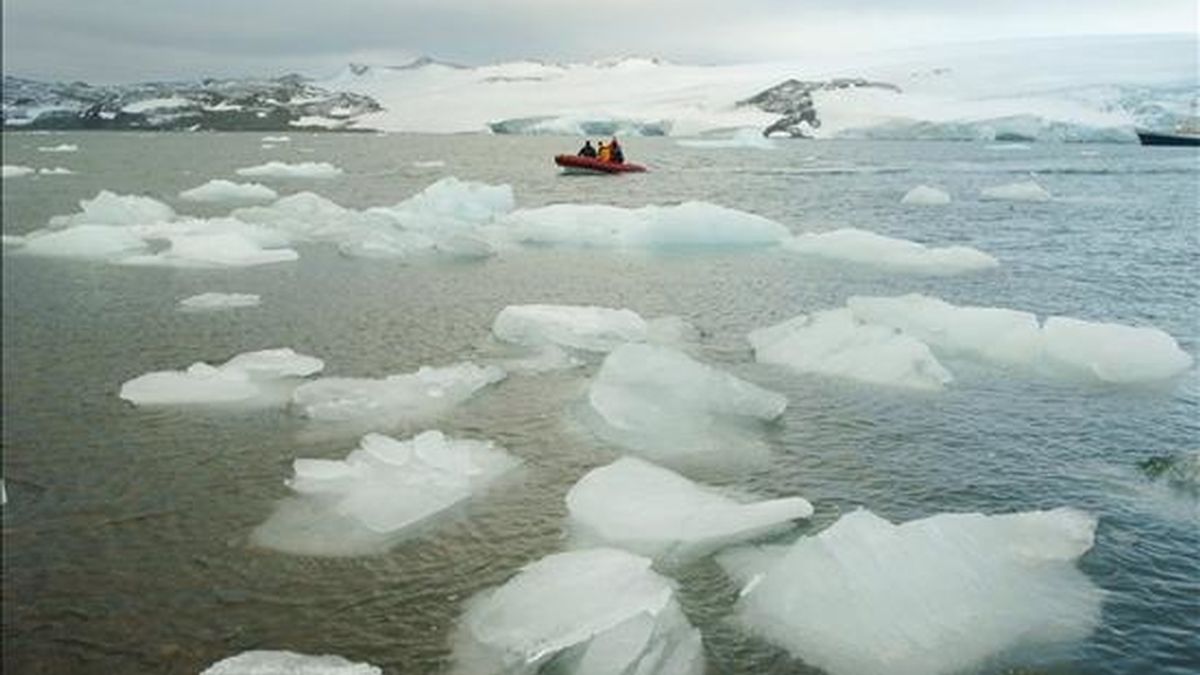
(577, 164)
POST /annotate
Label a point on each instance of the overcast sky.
(132, 40)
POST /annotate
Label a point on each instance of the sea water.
(127, 530)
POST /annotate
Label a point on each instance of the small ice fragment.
(926, 196)
(204, 302)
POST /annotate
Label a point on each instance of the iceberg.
(593, 329)
(637, 506)
(682, 225)
(253, 379)
(868, 248)
(397, 399)
(321, 170)
(1061, 347)
(926, 597)
(835, 343)
(593, 611)
(206, 302)
(228, 191)
(661, 403)
(274, 662)
(14, 171)
(384, 491)
(1026, 191)
(926, 196)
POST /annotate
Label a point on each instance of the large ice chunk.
(926, 196)
(592, 611)
(254, 379)
(451, 204)
(834, 342)
(640, 507)
(1104, 352)
(595, 329)
(1024, 191)
(14, 171)
(396, 399)
(223, 249)
(930, 596)
(108, 208)
(868, 248)
(321, 170)
(93, 242)
(677, 411)
(228, 191)
(383, 491)
(275, 662)
(207, 302)
(1003, 336)
(687, 224)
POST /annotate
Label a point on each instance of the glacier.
(248, 380)
(634, 505)
(937, 595)
(593, 611)
(383, 491)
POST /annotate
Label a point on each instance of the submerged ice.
(384, 490)
(936, 595)
(663, 404)
(649, 510)
(588, 612)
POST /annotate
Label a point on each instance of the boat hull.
(1157, 138)
(574, 164)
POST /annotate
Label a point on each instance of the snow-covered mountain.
(282, 103)
(1068, 89)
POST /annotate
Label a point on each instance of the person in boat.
(615, 152)
(605, 153)
(587, 150)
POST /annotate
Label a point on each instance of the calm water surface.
(126, 531)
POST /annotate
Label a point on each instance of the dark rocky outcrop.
(792, 100)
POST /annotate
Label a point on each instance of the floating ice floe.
(662, 404)
(14, 171)
(276, 139)
(55, 171)
(429, 164)
(931, 596)
(868, 248)
(396, 399)
(92, 242)
(651, 511)
(1062, 346)
(274, 662)
(321, 170)
(926, 196)
(225, 249)
(593, 329)
(64, 147)
(1026, 191)
(206, 302)
(384, 491)
(253, 379)
(835, 343)
(228, 191)
(683, 225)
(592, 611)
(742, 138)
